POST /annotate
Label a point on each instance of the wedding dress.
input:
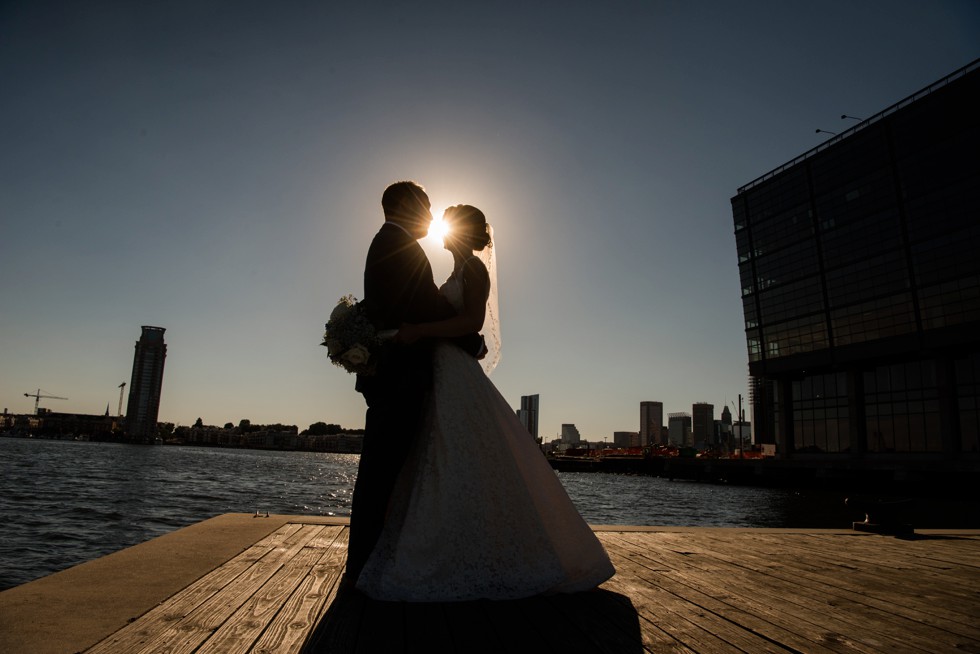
(477, 512)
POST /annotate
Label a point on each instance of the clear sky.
(216, 168)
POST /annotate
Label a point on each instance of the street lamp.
(823, 131)
(843, 116)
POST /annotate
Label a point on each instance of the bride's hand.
(407, 334)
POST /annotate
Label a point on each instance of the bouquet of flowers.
(351, 339)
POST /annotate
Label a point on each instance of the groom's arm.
(460, 328)
(400, 288)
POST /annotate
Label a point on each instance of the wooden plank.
(240, 631)
(294, 624)
(696, 591)
(660, 618)
(788, 621)
(883, 555)
(620, 614)
(871, 628)
(609, 620)
(925, 551)
(134, 635)
(189, 631)
(928, 602)
(944, 551)
(337, 631)
(732, 632)
(653, 638)
(864, 621)
(877, 557)
(760, 622)
(669, 613)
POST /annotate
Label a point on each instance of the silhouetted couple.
(453, 499)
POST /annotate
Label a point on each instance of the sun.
(438, 227)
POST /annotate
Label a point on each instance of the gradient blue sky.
(215, 168)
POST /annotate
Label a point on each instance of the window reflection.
(820, 413)
(902, 408)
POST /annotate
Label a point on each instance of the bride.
(477, 512)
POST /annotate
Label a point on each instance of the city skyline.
(217, 169)
(531, 402)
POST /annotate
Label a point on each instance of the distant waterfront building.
(679, 429)
(726, 416)
(146, 384)
(742, 435)
(651, 423)
(860, 281)
(51, 424)
(528, 414)
(570, 435)
(703, 423)
(626, 438)
(723, 429)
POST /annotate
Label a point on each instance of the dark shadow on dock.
(596, 621)
(945, 537)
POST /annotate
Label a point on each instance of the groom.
(398, 288)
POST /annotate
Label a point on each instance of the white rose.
(356, 355)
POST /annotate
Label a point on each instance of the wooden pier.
(238, 583)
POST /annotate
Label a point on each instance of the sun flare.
(438, 227)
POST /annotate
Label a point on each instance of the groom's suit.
(398, 288)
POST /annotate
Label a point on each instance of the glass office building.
(860, 275)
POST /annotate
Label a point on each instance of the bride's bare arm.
(476, 289)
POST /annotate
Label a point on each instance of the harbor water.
(66, 502)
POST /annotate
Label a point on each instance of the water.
(66, 502)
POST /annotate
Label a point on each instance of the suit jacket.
(398, 284)
(399, 288)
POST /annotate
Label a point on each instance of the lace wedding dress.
(478, 513)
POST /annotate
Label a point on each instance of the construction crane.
(121, 387)
(37, 398)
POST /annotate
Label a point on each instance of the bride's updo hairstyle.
(468, 227)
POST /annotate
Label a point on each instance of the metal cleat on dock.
(882, 516)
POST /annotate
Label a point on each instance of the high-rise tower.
(528, 414)
(703, 419)
(146, 384)
(651, 423)
(679, 425)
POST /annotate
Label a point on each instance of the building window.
(902, 408)
(873, 320)
(821, 414)
(796, 336)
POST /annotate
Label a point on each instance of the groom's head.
(407, 204)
